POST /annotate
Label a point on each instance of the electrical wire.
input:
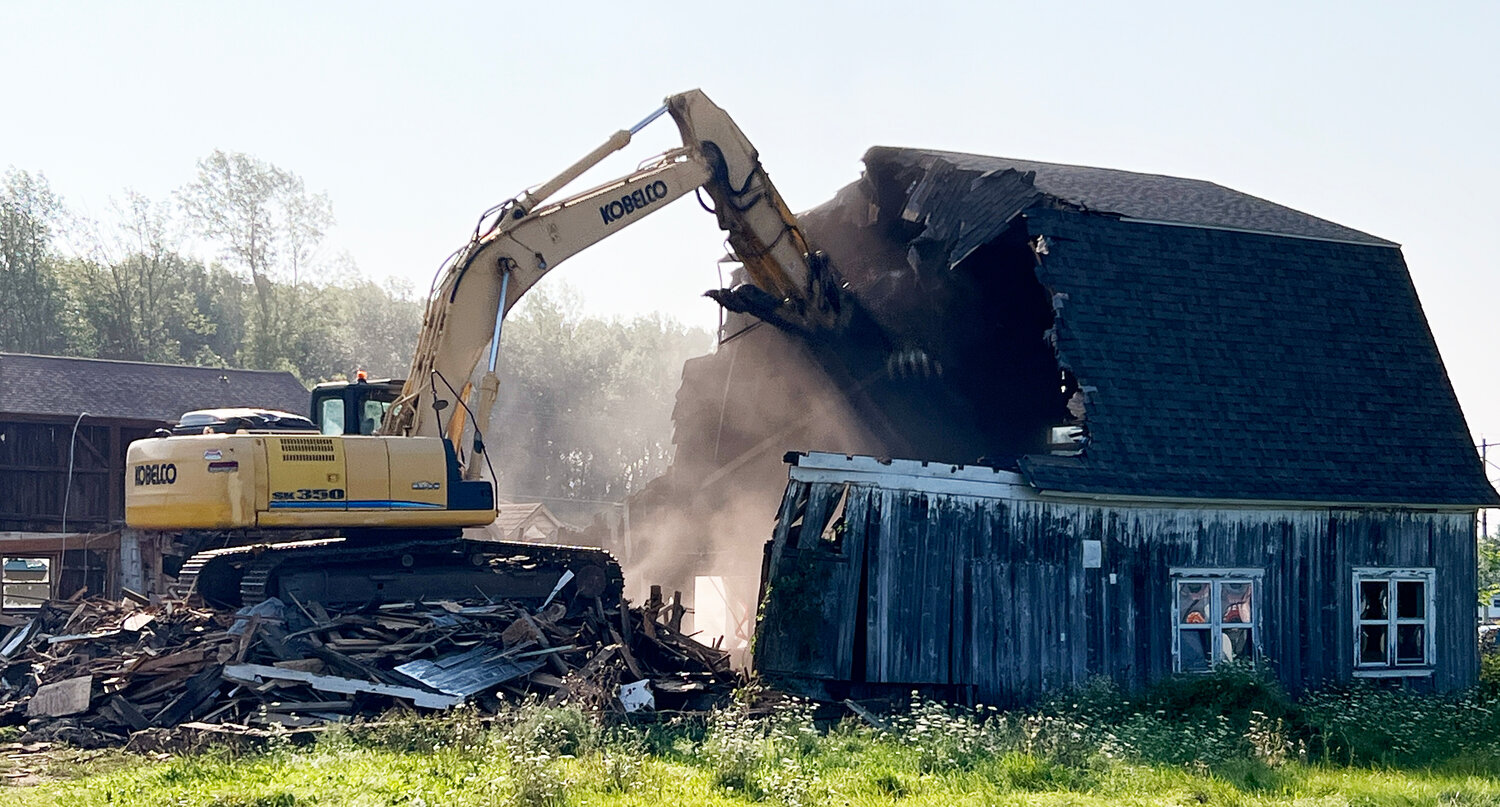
(478, 429)
(62, 558)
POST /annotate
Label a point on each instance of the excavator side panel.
(194, 482)
(367, 460)
(306, 474)
(419, 473)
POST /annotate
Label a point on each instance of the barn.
(64, 426)
(1198, 428)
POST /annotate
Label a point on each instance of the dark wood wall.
(34, 472)
(992, 596)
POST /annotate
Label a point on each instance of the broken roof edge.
(1148, 197)
(933, 477)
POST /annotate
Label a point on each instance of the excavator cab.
(353, 407)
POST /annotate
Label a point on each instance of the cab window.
(374, 413)
(331, 416)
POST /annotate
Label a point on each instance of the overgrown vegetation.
(1230, 738)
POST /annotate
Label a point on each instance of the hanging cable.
(62, 557)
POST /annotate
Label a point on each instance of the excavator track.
(340, 571)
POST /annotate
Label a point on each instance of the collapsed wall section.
(950, 360)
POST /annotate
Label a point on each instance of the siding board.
(989, 593)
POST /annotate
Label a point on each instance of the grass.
(1230, 739)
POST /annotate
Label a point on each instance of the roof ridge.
(5, 355)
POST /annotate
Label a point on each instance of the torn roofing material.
(1225, 347)
(1145, 197)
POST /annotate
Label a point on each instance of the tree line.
(130, 288)
(585, 404)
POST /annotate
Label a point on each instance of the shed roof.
(1228, 347)
(58, 385)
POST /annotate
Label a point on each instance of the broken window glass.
(25, 582)
(1372, 596)
(1411, 599)
(1411, 644)
(1392, 618)
(1372, 644)
(1236, 602)
(1192, 603)
(1236, 644)
(1193, 656)
(1215, 620)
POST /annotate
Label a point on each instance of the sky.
(415, 117)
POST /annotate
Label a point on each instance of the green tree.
(1489, 567)
(585, 403)
(268, 224)
(135, 297)
(32, 294)
(378, 326)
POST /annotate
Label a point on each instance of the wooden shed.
(64, 426)
(1215, 429)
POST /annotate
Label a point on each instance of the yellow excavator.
(367, 499)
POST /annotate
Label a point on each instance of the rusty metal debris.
(92, 671)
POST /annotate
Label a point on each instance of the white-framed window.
(1215, 617)
(1393, 618)
(25, 582)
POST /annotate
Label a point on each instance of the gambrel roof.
(1226, 347)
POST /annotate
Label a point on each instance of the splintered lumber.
(97, 670)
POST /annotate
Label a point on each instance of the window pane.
(1194, 649)
(24, 595)
(1236, 644)
(1372, 644)
(1372, 596)
(1411, 644)
(25, 570)
(374, 413)
(1236, 599)
(333, 416)
(1411, 599)
(1192, 603)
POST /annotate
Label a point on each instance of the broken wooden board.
(62, 698)
(259, 673)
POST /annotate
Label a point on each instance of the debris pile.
(92, 671)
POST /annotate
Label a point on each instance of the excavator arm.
(530, 236)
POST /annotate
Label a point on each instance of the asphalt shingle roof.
(1230, 348)
(57, 385)
(1148, 197)
(1230, 365)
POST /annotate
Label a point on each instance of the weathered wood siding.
(992, 593)
(34, 472)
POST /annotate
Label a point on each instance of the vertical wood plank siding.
(991, 593)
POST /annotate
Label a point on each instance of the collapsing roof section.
(1221, 346)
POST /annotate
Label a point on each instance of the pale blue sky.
(415, 117)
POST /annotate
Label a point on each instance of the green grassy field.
(1226, 740)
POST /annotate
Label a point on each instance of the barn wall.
(34, 454)
(991, 595)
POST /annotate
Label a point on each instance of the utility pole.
(1484, 460)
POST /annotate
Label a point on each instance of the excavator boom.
(359, 501)
(530, 237)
